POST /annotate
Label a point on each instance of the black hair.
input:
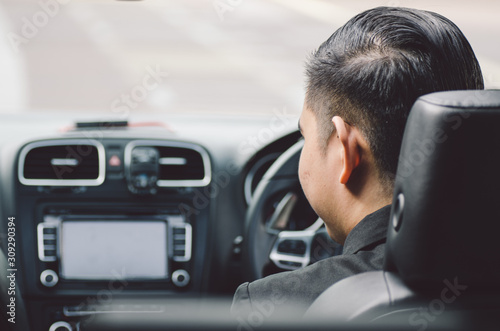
(372, 69)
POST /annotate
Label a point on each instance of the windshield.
(223, 56)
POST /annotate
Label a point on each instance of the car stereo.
(104, 248)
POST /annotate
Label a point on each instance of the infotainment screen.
(102, 250)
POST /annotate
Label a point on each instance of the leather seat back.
(446, 209)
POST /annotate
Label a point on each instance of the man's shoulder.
(301, 287)
(276, 292)
(315, 278)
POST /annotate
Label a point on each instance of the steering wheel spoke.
(292, 249)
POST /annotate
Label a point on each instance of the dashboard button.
(49, 278)
(180, 278)
(61, 326)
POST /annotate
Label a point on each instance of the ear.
(350, 148)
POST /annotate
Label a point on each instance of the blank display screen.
(113, 250)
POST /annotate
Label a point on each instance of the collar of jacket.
(370, 231)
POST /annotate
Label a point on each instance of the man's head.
(361, 84)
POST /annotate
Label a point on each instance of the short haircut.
(372, 70)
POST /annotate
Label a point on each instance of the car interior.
(455, 219)
(125, 218)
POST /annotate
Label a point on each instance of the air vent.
(47, 242)
(182, 236)
(180, 164)
(62, 163)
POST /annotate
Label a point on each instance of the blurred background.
(218, 56)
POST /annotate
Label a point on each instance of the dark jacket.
(293, 292)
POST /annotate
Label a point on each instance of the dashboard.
(153, 208)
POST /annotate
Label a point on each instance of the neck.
(363, 196)
(359, 209)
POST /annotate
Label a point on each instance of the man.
(361, 84)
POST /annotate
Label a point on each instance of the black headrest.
(445, 218)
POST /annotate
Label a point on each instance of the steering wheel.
(268, 238)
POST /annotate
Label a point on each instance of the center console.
(106, 219)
